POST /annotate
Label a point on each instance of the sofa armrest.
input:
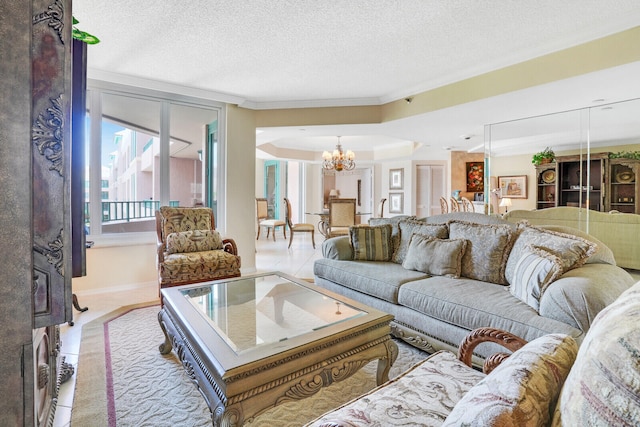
(338, 248)
(477, 336)
(580, 294)
(229, 245)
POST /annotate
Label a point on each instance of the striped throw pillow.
(371, 243)
(536, 269)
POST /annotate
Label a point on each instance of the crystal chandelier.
(339, 160)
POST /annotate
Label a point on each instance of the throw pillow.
(371, 243)
(438, 257)
(603, 386)
(395, 230)
(487, 251)
(193, 241)
(573, 250)
(523, 390)
(408, 227)
(536, 269)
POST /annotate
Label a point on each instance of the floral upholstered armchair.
(190, 249)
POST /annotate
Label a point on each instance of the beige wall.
(118, 267)
(241, 183)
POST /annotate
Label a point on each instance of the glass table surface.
(251, 312)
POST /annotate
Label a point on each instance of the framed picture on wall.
(396, 202)
(475, 177)
(396, 178)
(514, 187)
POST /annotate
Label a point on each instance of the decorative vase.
(456, 194)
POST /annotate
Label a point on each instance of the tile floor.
(270, 256)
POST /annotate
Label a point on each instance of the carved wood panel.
(51, 130)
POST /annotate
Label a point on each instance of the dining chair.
(299, 228)
(262, 214)
(467, 206)
(454, 205)
(381, 207)
(342, 215)
(444, 205)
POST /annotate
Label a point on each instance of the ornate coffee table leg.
(166, 346)
(384, 364)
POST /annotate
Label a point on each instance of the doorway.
(430, 186)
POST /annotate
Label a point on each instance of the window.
(146, 150)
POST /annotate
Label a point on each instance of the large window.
(146, 150)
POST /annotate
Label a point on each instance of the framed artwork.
(514, 187)
(475, 177)
(396, 202)
(396, 178)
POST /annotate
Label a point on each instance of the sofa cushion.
(193, 241)
(438, 257)
(602, 254)
(487, 250)
(522, 391)
(536, 269)
(421, 396)
(408, 228)
(378, 279)
(395, 229)
(573, 250)
(471, 304)
(603, 387)
(191, 267)
(371, 243)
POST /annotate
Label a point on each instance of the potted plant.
(545, 156)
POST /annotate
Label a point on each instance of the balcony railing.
(127, 211)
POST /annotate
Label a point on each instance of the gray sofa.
(436, 312)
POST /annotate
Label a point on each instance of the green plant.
(625, 155)
(544, 156)
(83, 36)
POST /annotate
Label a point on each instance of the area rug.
(123, 380)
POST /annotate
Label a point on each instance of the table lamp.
(506, 203)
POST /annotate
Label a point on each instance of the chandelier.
(339, 160)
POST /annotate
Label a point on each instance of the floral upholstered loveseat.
(190, 249)
(547, 382)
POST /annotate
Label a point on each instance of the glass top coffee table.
(253, 342)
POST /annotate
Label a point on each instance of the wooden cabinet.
(573, 181)
(623, 191)
(547, 185)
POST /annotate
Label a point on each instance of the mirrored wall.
(594, 170)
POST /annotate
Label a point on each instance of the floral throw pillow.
(523, 390)
(193, 241)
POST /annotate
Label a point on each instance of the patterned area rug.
(123, 380)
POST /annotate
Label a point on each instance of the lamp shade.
(505, 202)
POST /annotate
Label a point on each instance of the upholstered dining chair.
(297, 228)
(381, 207)
(467, 206)
(262, 215)
(342, 215)
(444, 205)
(190, 249)
(454, 205)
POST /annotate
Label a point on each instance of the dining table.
(323, 224)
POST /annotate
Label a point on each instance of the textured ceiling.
(296, 53)
(269, 51)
